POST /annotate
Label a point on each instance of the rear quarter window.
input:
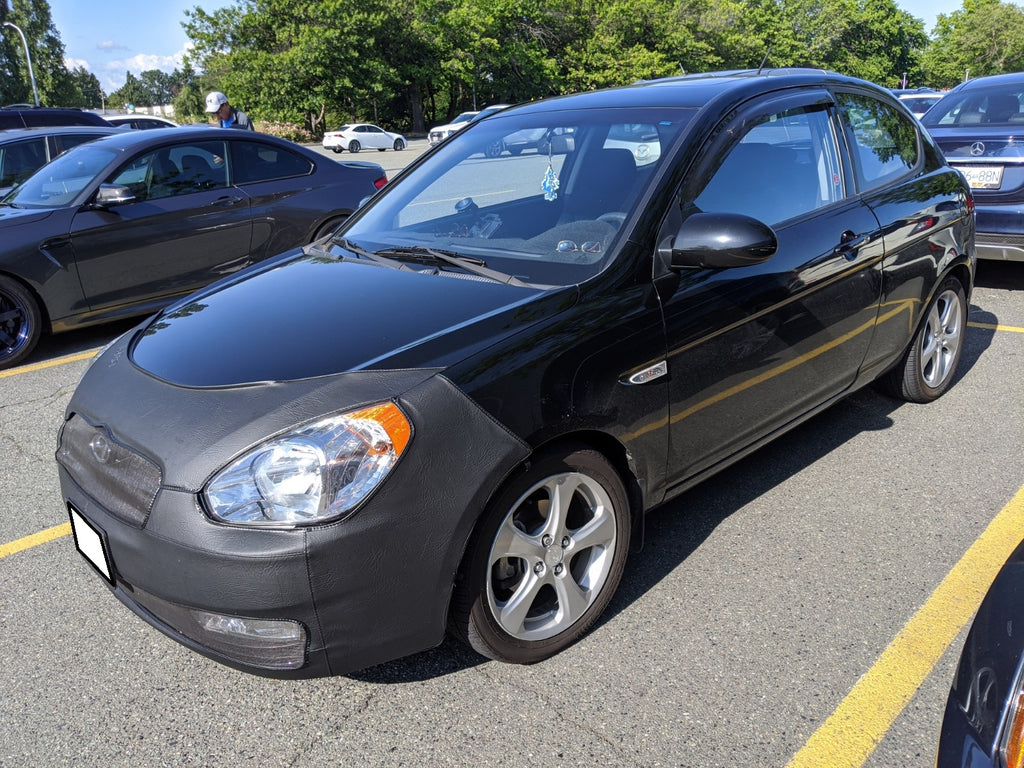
(884, 143)
(253, 161)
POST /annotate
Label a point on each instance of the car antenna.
(764, 60)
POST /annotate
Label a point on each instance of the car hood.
(313, 316)
(13, 217)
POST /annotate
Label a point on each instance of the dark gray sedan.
(125, 224)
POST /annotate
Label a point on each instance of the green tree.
(985, 37)
(53, 81)
(154, 88)
(127, 95)
(88, 87)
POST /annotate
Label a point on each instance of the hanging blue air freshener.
(550, 183)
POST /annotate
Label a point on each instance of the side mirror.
(113, 194)
(722, 241)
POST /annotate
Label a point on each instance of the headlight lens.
(316, 473)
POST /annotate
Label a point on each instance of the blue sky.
(113, 37)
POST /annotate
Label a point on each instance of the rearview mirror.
(722, 241)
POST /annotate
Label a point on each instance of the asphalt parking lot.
(773, 618)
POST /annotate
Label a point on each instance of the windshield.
(1000, 105)
(59, 182)
(541, 198)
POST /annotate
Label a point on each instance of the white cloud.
(112, 74)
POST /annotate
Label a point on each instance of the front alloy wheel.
(20, 322)
(545, 560)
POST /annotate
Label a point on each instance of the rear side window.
(254, 161)
(884, 143)
(19, 159)
(66, 141)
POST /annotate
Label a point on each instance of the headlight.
(316, 473)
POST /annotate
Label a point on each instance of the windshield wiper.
(468, 263)
(348, 245)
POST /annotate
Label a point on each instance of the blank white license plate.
(90, 542)
(982, 176)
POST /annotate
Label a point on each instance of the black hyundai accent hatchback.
(452, 413)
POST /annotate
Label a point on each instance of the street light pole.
(28, 58)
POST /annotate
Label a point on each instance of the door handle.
(849, 243)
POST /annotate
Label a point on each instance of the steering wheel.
(615, 218)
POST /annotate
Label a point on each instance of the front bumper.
(365, 589)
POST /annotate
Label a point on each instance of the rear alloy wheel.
(20, 323)
(354, 146)
(545, 559)
(929, 365)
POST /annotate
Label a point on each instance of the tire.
(337, 150)
(929, 365)
(537, 575)
(399, 145)
(354, 146)
(327, 228)
(21, 324)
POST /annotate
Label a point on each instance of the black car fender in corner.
(382, 587)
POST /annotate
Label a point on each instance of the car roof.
(1013, 78)
(128, 140)
(48, 116)
(693, 90)
(125, 116)
(13, 134)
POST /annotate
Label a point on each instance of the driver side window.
(784, 166)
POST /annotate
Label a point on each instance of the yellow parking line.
(991, 327)
(850, 735)
(34, 540)
(49, 363)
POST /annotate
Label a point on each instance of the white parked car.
(140, 121)
(441, 132)
(919, 103)
(356, 136)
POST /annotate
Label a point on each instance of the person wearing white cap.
(229, 117)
